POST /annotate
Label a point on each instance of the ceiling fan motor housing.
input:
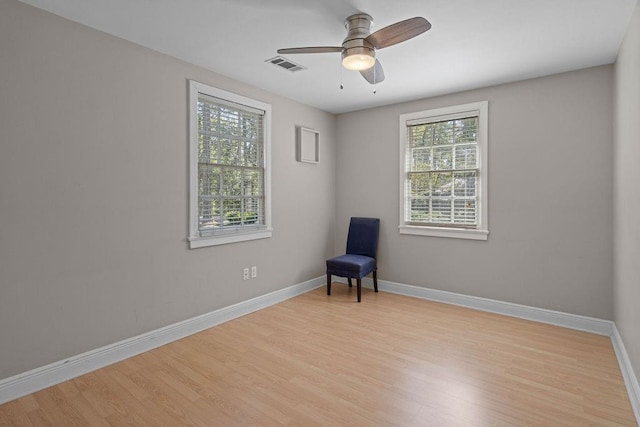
(355, 47)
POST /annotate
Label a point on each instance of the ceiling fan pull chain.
(374, 79)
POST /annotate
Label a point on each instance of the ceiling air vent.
(285, 63)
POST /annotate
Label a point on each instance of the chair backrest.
(363, 236)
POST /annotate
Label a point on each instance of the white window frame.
(238, 235)
(481, 109)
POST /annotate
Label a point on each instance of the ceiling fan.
(359, 46)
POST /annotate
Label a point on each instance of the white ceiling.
(473, 43)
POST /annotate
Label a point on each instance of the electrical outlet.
(245, 274)
(254, 272)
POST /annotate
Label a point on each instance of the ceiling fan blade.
(317, 49)
(374, 74)
(398, 32)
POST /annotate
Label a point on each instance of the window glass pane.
(464, 183)
(466, 156)
(251, 183)
(232, 182)
(465, 211)
(249, 126)
(230, 152)
(441, 210)
(421, 159)
(465, 130)
(419, 210)
(419, 184)
(443, 158)
(208, 213)
(252, 212)
(228, 122)
(232, 209)
(207, 149)
(207, 117)
(420, 136)
(208, 180)
(442, 133)
(428, 135)
(441, 184)
(250, 153)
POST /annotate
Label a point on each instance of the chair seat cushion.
(351, 265)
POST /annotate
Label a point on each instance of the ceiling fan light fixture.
(358, 58)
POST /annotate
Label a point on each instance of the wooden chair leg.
(328, 283)
(349, 279)
(375, 280)
(359, 289)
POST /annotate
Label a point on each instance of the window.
(229, 167)
(443, 172)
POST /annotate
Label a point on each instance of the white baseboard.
(572, 321)
(558, 318)
(630, 379)
(37, 379)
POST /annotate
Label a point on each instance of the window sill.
(453, 233)
(202, 242)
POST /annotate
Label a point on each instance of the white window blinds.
(231, 167)
(441, 185)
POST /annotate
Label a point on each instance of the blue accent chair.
(360, 259)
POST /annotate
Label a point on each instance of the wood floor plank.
(58, 408)
(39, 418)
(14, 414)
(327, 360)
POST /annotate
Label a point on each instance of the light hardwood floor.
(318, 360)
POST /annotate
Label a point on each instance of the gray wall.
(627, 192)
(550, 195)
(93, 194)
